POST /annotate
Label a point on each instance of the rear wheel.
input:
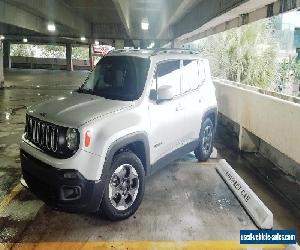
(125, 187)
(206, 138)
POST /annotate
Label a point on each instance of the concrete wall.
(46, 63)
(268, 123)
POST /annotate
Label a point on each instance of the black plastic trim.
(175, 155)
(46, 182)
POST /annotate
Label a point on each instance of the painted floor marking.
(10, 196)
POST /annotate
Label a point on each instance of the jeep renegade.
(138, 111)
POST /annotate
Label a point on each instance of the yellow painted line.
(139, 245)
(10, 196)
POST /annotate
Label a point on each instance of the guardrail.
(46, 63)
(263, 116)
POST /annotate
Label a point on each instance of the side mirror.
(165, 93)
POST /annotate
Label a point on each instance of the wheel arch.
(137, 143)
(212, 114)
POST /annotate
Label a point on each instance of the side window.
(190, 75)
(201, 72)
(168, 73)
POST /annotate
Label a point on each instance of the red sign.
(101, 50)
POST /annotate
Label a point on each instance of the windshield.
(117, 78)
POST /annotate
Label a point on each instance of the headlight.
(72, 138)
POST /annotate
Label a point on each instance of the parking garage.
(186, 205)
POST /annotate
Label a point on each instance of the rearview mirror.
(165, 92)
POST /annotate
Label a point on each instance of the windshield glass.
(118, 78)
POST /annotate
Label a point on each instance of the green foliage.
(288, 67)
(47, 51)
(81, 53)
(21, 50)
(53, 51)
(246, 54)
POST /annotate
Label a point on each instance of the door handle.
(179, 107)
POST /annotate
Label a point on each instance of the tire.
(125, 187)
(206, 138)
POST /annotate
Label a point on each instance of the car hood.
(76, 109)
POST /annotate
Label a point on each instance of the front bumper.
(63, 189)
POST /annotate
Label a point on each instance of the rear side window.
(168, 73)
(190, 75)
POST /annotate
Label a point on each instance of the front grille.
(48, 137)
(42, 134)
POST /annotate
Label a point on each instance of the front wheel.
(125, 187)
(205, 144)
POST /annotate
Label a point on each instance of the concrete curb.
(260, 214)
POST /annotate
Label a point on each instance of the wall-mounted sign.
(101, 50)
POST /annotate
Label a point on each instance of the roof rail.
(182, 51)
(123, 50)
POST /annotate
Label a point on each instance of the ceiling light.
(51, 27)
(145, 24)
(82, 38)
(2, 37)
(25, 40)
(96, 42)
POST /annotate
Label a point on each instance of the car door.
(192, 84)
(166, 117)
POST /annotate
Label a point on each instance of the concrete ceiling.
(94, 11)
(121, 19)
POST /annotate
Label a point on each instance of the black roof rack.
(182, 51)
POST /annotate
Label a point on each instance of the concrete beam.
(109, 31)
(213, 16)
(51, 11)
(15, 16)
(122, 7)
(175, 11)
(10, 14)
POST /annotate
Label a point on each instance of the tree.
(53, 51)
(81, 53)
(246, 54)
(21, 50)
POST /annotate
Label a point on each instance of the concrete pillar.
(173, 44)
(91, 57)
(1, 66)
(69, 57)
(6, 55)
(119, 44)
(248, 142)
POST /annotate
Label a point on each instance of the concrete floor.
(185, 201)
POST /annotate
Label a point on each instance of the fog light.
(70, 193)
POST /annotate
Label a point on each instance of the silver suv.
(138, 111)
